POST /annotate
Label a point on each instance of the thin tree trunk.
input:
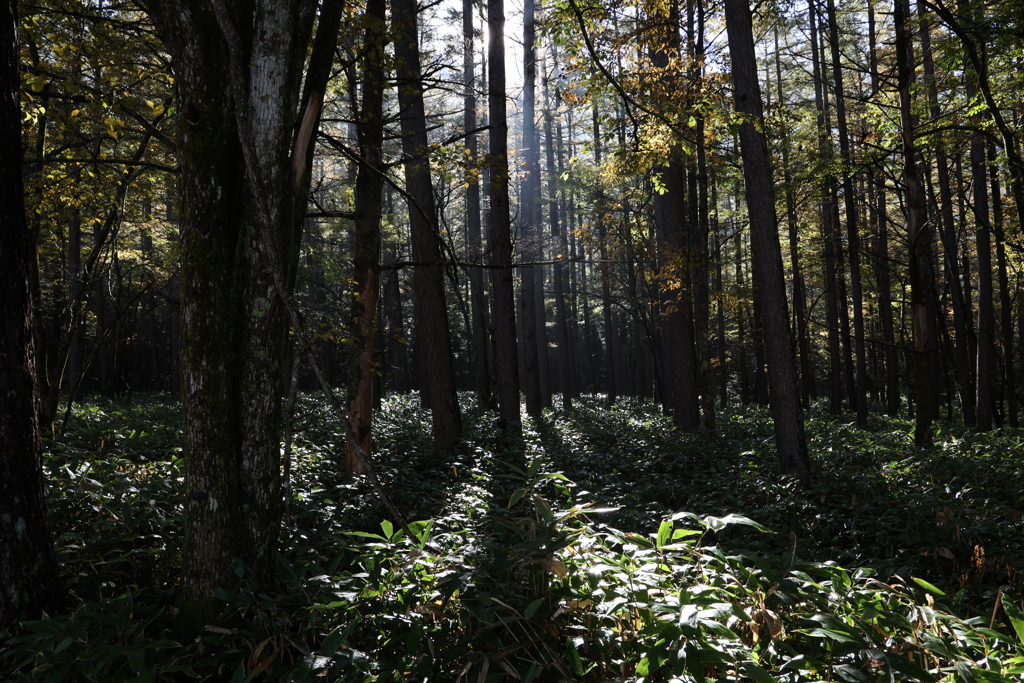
(962, 325)
(473, 233)
(566, 350)
(603, 267)
(828, 227)
(369, 187)
(986, 306)
(859, 395)
(799, 295)
(528, 230)
(918, 238)
(764, 230)
(1005, 304)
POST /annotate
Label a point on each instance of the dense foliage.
(614, 549)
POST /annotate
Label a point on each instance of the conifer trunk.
(428, 273)
(367, 207)
(764, 230)
(500, 238)
(474, 239)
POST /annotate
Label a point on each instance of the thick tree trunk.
(29, 583)
(239, 249)
(675, 259)
(367, 207)
(428, 274)
(500, 233)
(764, 230)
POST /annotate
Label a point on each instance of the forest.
(596, 340)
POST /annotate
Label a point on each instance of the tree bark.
(799, 294)
(764, 230)
(474, 239)
(859, 395)
(962, 324)
(428, 274)
(367, 207)
(29, 583)
(918, 239)
(835, 387)
(500, 233)
(241, 190)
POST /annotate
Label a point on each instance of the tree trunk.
(243, 197)
(962, 325)
(675, 261)
(918, 239)
(985, 376)
(764, 230)
(1005, 304)
(528, 229)
(28, 568)
(428, 273)
(367, 207)
(566, 350)
(474, 240)
(859, 395)
(500, 233)
(835, 386)
(799, 295)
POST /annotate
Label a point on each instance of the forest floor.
(603, 546)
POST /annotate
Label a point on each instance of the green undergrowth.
(601, 546)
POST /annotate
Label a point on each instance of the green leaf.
(906, 667)
(719, 523)
(137, 660)
(683, 533)
(388, 528)
(534, 468)
(927, 586)
(517, 496)
(532, 608)
(1016, 617)
(758, 673)
(664, 533)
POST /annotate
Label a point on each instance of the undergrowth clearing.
(603, 546)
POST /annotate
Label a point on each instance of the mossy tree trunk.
(239, 250)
